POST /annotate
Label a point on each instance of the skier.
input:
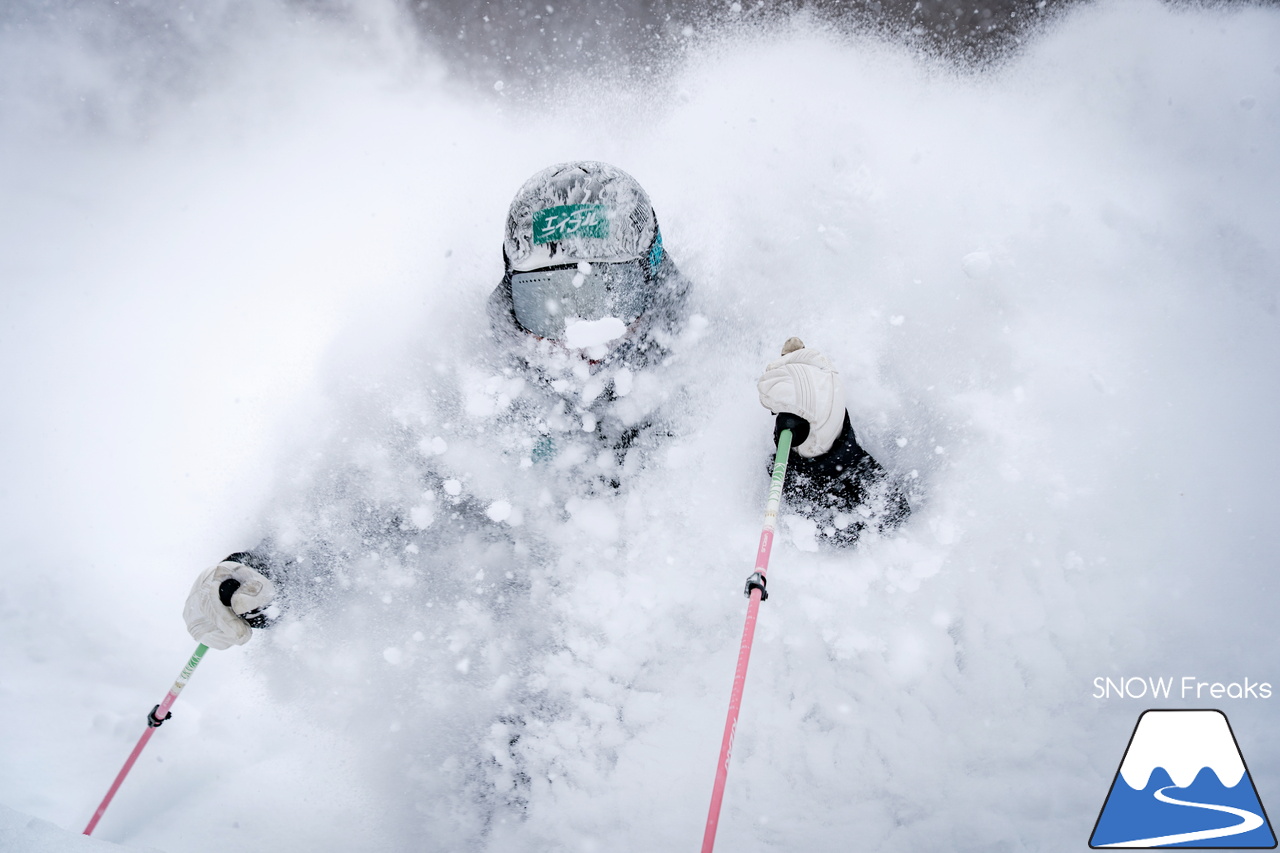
(588, 307)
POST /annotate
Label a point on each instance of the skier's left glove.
(804, 383)
(226, 601)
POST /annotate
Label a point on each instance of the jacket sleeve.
(844, 491)
(258, 559)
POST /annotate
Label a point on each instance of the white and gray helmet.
(582, 244)
(581, 211)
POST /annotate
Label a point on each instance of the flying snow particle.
(976, 265)
(432, 446)
(622, 382)
(594, 518)
(591, 333)
(499, 510)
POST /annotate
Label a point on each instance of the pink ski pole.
(756, 590)
(158, 715)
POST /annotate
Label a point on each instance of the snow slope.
(1050, 288)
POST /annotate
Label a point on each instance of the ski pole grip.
(799, 428)
(226, 589)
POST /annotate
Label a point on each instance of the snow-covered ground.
(1051, 289)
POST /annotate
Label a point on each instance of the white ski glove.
(805, 384)
(221, 625)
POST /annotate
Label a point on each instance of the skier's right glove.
(225, 601)
(804, 383)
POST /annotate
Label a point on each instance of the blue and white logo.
(1183, 783)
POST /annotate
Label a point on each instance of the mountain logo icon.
(1183, 783)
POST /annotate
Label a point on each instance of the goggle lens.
(546, 300)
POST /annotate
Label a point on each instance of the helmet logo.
(553, 224)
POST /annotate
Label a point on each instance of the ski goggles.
(546, 300)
